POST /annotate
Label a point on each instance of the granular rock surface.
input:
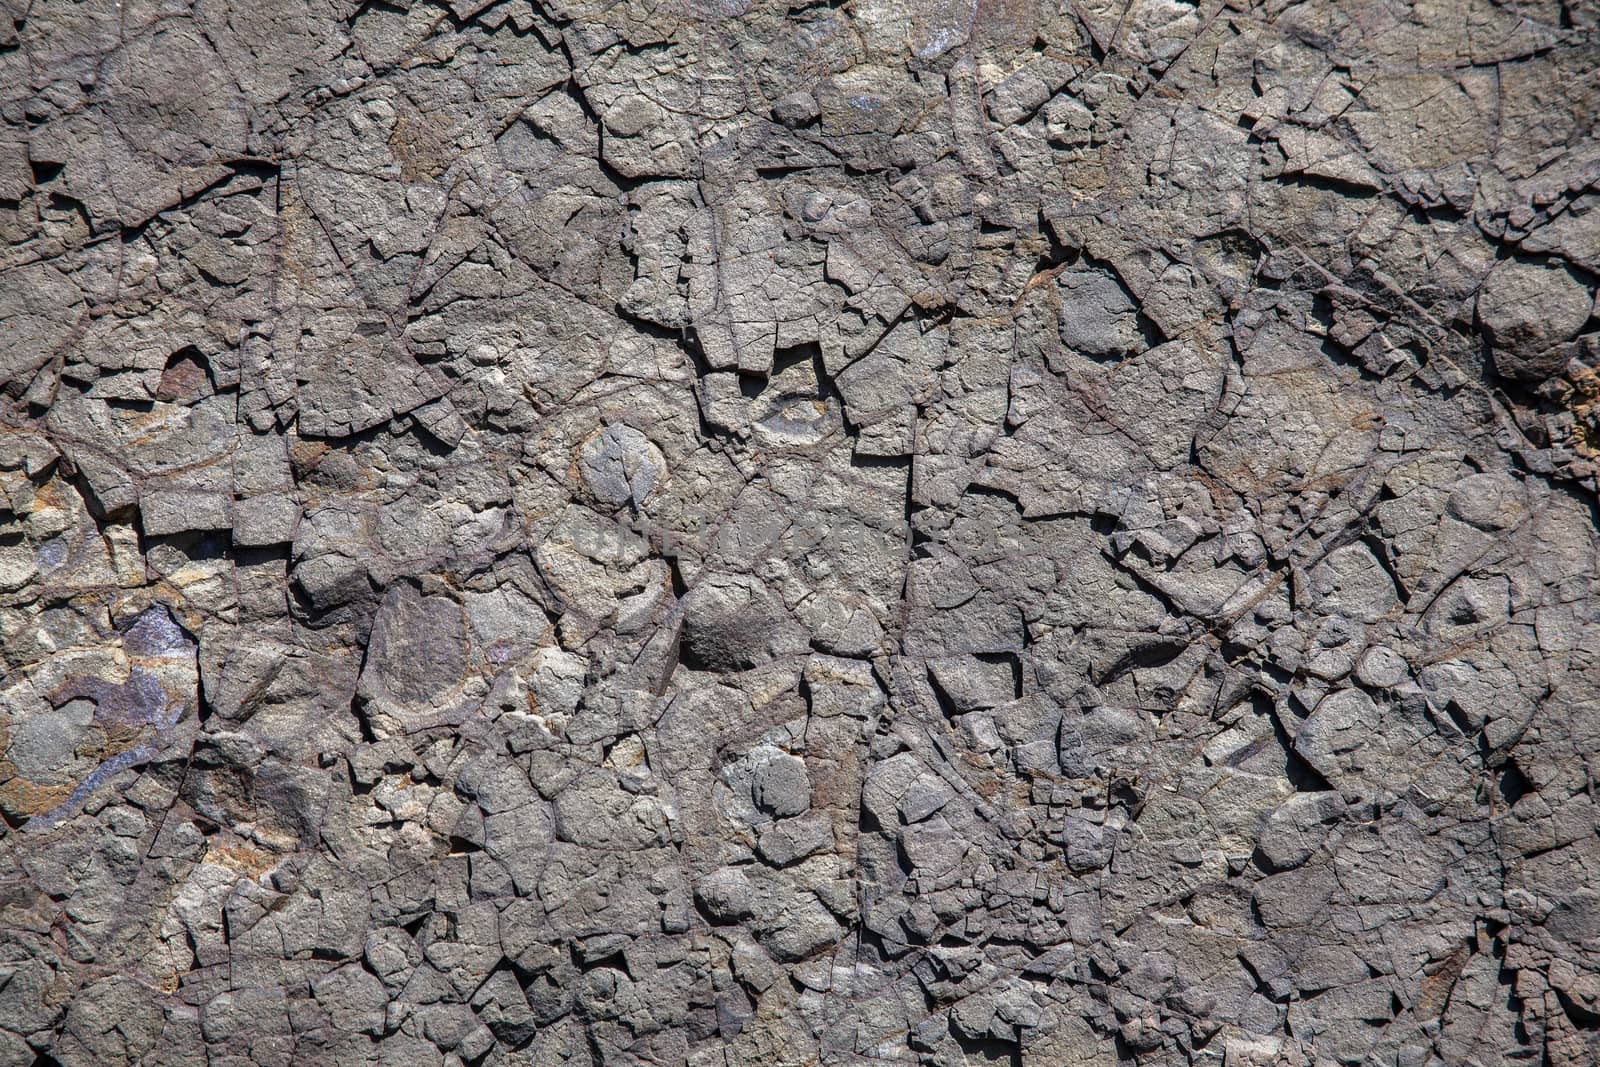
(732, 532)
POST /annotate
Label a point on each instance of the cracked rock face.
(718, 532)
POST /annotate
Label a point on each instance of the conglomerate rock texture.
(1039, 532)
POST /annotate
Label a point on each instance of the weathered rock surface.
(1051, 532)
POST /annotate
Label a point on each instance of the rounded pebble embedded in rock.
(728, 623)
(1381, 668)
(42, 744)
(781, 788)
(1528, 308)
(18, 565)
(1487, 501)
(621, 465)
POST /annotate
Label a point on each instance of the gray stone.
(791, 840)
(781, 787)
(175, 511)
(729, 623)
(621, 465)
(1098, 316)
(1527, 309)
(718, 532)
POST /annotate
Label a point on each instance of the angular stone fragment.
(1295, 831)
(265, 520)
(174, 512)
(791, 840)
(1098, 316)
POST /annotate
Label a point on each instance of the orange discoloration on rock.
(240, 856)
(20, 797)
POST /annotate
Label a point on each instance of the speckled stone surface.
(712, 532)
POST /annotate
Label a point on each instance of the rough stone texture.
(1050, 532)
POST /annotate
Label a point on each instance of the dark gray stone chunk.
(730, 623)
